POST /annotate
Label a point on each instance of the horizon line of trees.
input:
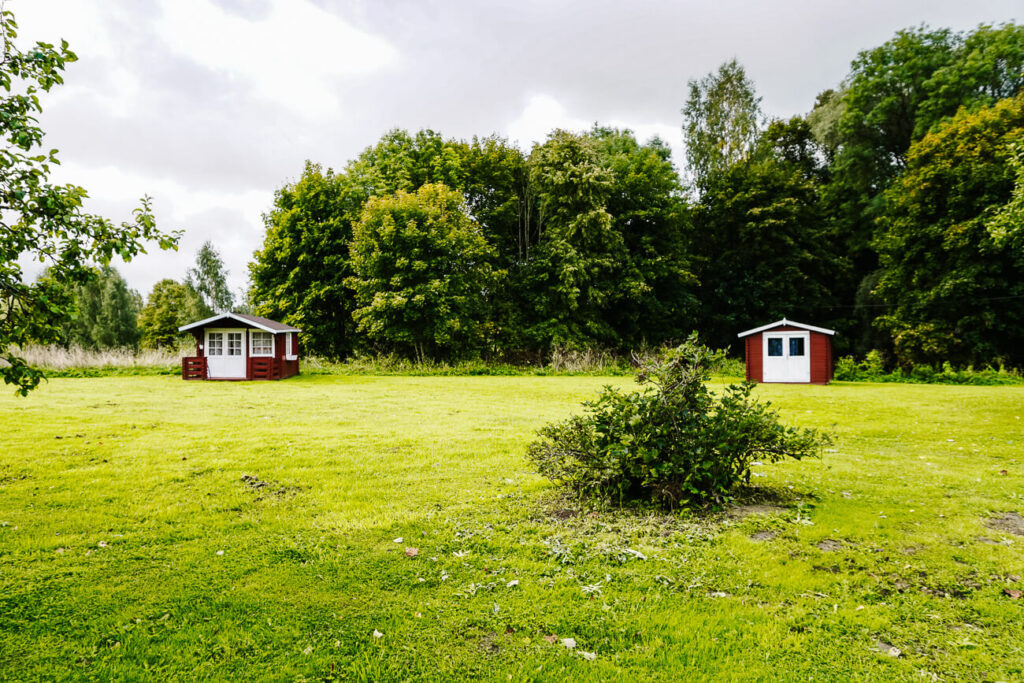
(105, 313)
(891, 212)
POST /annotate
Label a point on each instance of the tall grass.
(75, 361)
(60, 358)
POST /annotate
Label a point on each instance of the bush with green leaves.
(673, 444)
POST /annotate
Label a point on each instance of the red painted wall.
(821, 358)
(755, 363)
(821, 355)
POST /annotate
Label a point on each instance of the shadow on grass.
(559, 507)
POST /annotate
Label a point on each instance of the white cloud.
(291, 55)
(544, 113)
(232, 221)
(541, 115)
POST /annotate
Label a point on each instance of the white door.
(787, 357)
(225, 357)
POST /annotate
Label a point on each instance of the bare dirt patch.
(1010, 522)
(267, 488)
(489, 644)
(763, 536)
(741, 511)
(829, 545)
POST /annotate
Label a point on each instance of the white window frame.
(289, 349)
(238, 337)
(252, 344)
(213, 341)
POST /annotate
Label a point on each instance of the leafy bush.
(872, 369)
(674, 443)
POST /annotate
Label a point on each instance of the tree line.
(890, 212)
(105, 313)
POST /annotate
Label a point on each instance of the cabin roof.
(784, 321)
(260, 322)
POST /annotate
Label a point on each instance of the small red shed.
(787, 351)
(236, 346)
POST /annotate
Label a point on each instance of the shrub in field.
(872, 369)
(675, 443)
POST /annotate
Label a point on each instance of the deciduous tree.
(209, 279)
(956, 289)
(721, 120)
(41, 220)
(169, 306)
(422, 274)
(105, 313)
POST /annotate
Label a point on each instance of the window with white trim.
(290, 346)
(234, 343)
(261, 344)
(215, 344)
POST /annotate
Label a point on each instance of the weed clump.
(673, 443)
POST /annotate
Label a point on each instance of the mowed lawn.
(155, 529)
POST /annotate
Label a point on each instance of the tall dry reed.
(60, 358)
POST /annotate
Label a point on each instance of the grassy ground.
(153, 529)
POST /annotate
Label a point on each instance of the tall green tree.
(955, 286)
(893, 96)
(721, 121)
(105, 313)
(760, 241)
(654, 287)
(299, 275)
(170, 305)
(570, 276)
(422, 274)
(897, 92)
(43, 221)
(209, 279)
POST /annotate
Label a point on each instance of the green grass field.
(153, 529)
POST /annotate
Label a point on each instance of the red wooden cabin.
(235, 346)
(787, 351)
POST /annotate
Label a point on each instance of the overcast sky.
(210, 105)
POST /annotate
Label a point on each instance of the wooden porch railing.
(193, 367)
(264, 368)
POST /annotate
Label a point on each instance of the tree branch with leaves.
(42, 220)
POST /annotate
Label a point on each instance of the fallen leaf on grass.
(308, 650)
(551, 639)
(399, 539)
(589, 656)
(412, 552)
(377, 634)
(1013, 593)
(102, 544)
(513, 583)
(886, 648)
(509, 630)
(569, 642)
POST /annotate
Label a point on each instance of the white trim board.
(782, 322)
(232, 316)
